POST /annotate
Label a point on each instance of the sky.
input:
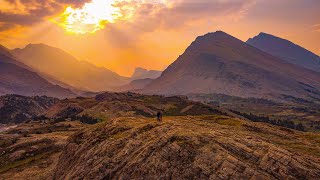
(124, 34)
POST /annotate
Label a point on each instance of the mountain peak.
(216, 35)
(38, 45)
(265, 34)
(220, 63)
(286, 50)
(141, 73)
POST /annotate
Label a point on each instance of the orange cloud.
(316, 27)
(21, 13)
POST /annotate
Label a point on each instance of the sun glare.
(90, 18)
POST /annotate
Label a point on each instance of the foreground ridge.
(196, 147)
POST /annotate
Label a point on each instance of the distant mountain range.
(63, 67)
(17, 78)
(216, 63)
(135, 85)
(220, 63)
(286, 50)
(141, 73)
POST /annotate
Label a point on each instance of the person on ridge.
(159, 116)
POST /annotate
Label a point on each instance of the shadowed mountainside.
(220, 63)
(15, 79)
(286, 50)
(135, 85)
(67, 69)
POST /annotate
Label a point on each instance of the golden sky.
(124, 34)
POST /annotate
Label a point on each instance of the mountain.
(67, 69)
(141, 73)
(15, 79)
(219, 63)
(5, 51)
(286, 50)
(8, 57)
(135, 85)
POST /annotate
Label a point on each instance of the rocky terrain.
(286, 50)
(189, 147)
(18, 109)
(113, 105)
(32, 150)
(194, 141)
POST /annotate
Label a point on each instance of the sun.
(90, 18)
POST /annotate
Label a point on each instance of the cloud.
(316, 27)
(145, 15)
(176, 13)
(15, 13)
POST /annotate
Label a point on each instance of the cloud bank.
(144, 15)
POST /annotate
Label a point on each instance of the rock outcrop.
(207, 147)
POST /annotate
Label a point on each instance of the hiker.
(159, 116)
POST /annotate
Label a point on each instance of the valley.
(225, 109)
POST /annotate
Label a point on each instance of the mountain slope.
(135, 85)
(220, 63)
(188, 147)
(68, 69)
(5, 51)
(286, 50)
(17, 80)
(141, 73)
(112, 105)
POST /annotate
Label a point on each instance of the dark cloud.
(34, 11)
(74, 3)
(6, 26)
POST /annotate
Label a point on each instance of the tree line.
(265, 119)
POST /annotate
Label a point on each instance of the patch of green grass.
(313, 137)
(222, 120)
(22, 162)
(229, 122)
(304, 149)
